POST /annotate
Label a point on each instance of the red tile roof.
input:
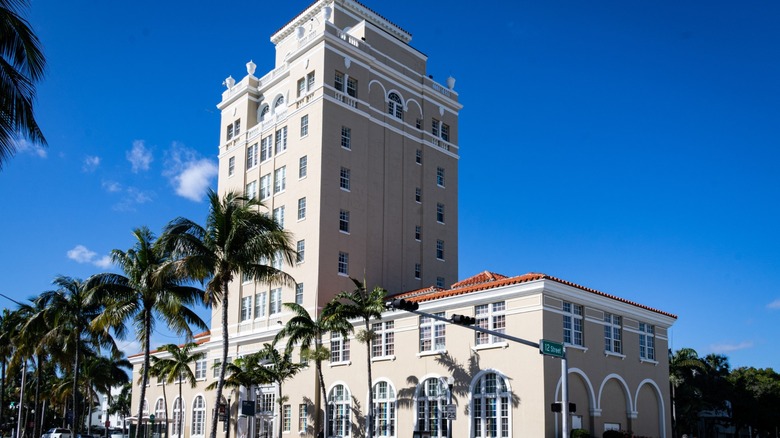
(490, 280)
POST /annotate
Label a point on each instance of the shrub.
(580, 433)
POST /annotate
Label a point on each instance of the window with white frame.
(279, 215)
(277, 261)
(435, 128)
(417, 195)
(231, 166)
(279, 103)
(260, 304)
(440, 249)
(346, 137)
(646, 341)
(439, 281)
(395, 106)
(440, 213)
(431, 398)
(344, 221)
(491, 317)
(382, 342)
(384, 409)
(305, 125)
(266, 148)
(303, 163)
(440, 176)
(264, 112)
(613, 340)
(432, 334)
(572, 324)
(230, 131)
(251, 190)
(298, 293)
(267, 402)
(344, 179)
(280, 144)
(310, 81)
(339, 348)
(339, 408)
(246, 308)
(159, 409)
(237, 127)
(303, 417)
(418, 156)
(265, 186)
(302, 208)
(301, 87)
(280, 179)
(490, 407)
(276, 301)
(300, 251)
(445, 132)
(417, 271)
(417, 233)
(200, 369)
(286, 418)
(251, 156)
(178, 417)
(198, 427)
(343, 263)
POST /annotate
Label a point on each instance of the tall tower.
(354, 148)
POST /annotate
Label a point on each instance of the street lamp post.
(450, 384)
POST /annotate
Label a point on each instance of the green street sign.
(551, 348)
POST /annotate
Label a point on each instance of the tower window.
(395, 106)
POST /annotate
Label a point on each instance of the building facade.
(352, 146)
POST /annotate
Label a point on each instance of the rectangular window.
(281, 140)
(265, 186)
(303, 417)
(217, 363)
(338, 84)
(246, 308)
(286, 418)
(432, 333)
(440, 213)
(279, 215)
(276, 301)
(305, 125)
(259, 304)
(266, 150)
(310, 81)
(418, 195)
(251, 156)
(382, 343)
(346, 137)
(300, 249)
(440, 176)
(276, 262)
(229, 131)
(445, 132)
(418, 156)
(303, 163)
(268, 402)
(200, 369)
(417, 233)
(440, 282)
(343, 263)
(339, 348)
(435, 128)
(491, 317)
(344, 221)
(301, 86)
(646, 341)
(418, 124)
(440, 249)
(302, 208)
(352, 87)
(251, 190)
(298, 293)
(417, 270)
(338, 81)
(613, 341)
(572, 324)
(237, 125)
(344, 179)
(231, 166)
(280, 179)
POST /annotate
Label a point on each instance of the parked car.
(116, 433)
(57, 432)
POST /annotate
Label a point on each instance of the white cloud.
(774, 305)
(90, 163)
(82, 254)
(728, 348)
(189, 174)
(129, 347)
(139, 156)
(28, 147)
(112, 186)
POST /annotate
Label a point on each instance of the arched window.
(159, 416)
(384, 409)
(198, 427)
(339, 407)
(490, 407)
(431, 398)
(263, 113)
(178, 417)
(145, 408)
(278, 103)
(395, 106)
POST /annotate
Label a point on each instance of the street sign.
(450, 412)
(551, 348)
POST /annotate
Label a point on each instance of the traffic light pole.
(412, 308)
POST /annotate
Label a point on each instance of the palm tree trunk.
(165, 402)
(2, 388)
(281, 410)
(76, 365)
(181, 411)
(324, 394)
(144, 374)
(317, 401)
(370, 410)
(223, 365)
(38, 373)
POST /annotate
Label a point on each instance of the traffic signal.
(402, 304)
(463, 320)
(556, 407)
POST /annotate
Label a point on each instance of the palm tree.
(308, 332)
(29, 345)
(102, 373)
(69, 312)
(147, 291)
(236, 238)
(278, 368)
(365, 305)
(684, 365)
(9, 324)
(177, 368)
(21, 65)
(121, 405)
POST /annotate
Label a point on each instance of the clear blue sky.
(628, 146)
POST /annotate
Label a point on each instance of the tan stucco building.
(352, 145)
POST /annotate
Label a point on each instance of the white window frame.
(266, 148)
(339, 408)
(246, 308)
(385, 409)
(303, 164)
(432, 395)
(491, 316)
(298, 293)
(231, 166)
(302, 208)
(432, 334)
(344, 221)
(439, 249)
(345, 179)
(265, 186)
(198, 426)
(251, 156)
(304, 125)
(395, 105)
(440, 213)
(343, 267)
(275, 301)
(440, 176)
(346, 138)
(647, 341)
(573, 324)
(491, 406)
(383, 339)
(280, 179)
(260, 300)
(613, 337)
(339, 348)
(280, 140)
(300, 251)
